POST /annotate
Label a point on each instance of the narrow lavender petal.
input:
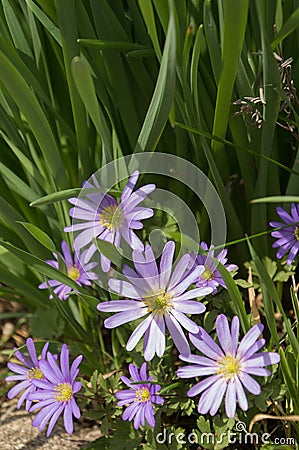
(230, 399)
(166, 264)
(150, 343)
(24, 396)
(185, 322)
(17, 368)
(284, 215)
(177, 335)
(124, 288)
(44, 415)
(128, 189)
(211, 395)
(203, 342)
(75, 366)
(195, 371)
(202, 385)
(260, 371)
(149, 414)
(195, 293)
(138, 333)
(189, 306)
(68, 418)
(67, 254)
(130, 411)
(42, 404)
(23, 359)
(249, 339)
(77, 385)
(44, 351)
(251, 385)
(218, 399)
(223, 334)
(253, 349)
(120, 305)
(137, 418)
(134, 372)
(160, 336)
(85, 237)
(79, 226)
(124, 317)
(199, 360)
(151, 260)
(32, 352)
(143, 371)
(235, 327)
(138, 196)
(16, 377)
(241, 396)
(42, 384)
(262, 359)
(54, 419)
(64, 363)
(293, 253)
(183, 285)
(18, 388)
(179, 271)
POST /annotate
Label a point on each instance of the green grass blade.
(235, 20)
(162, 98)
(28, 104)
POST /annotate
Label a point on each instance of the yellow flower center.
(111, 217)
(228, 367)
(158, 302)
(142, 395)
(35, 372)
(64, 392)
(296, 233)
(207, 274)
(73, 272)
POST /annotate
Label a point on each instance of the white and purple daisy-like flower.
(55, 393)
(160, 293)
(229, 366)
(26, 373)
(140, 397)
(75, 269)
(211, 276)
(101, 216)
(288, 237)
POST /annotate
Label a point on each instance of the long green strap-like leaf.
(32, 111)
(162, 98)
(235, 20)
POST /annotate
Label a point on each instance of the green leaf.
(235, 296)
(288, 27)
(40, 265)
(162, 98)
(235, 21)
(56, 197)
(40, 236)
(276, 199)
(115, 254)
(31, 109)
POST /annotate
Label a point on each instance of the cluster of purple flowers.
(50, 386)
(161, 296)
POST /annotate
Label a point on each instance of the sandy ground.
(17, 433)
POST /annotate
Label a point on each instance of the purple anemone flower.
(76, 270)
(230, 366)
(161, 295)
(211, 276)
(55, 393)
(102, 217)
(140, 397)
(288, 237)
(26, 373)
